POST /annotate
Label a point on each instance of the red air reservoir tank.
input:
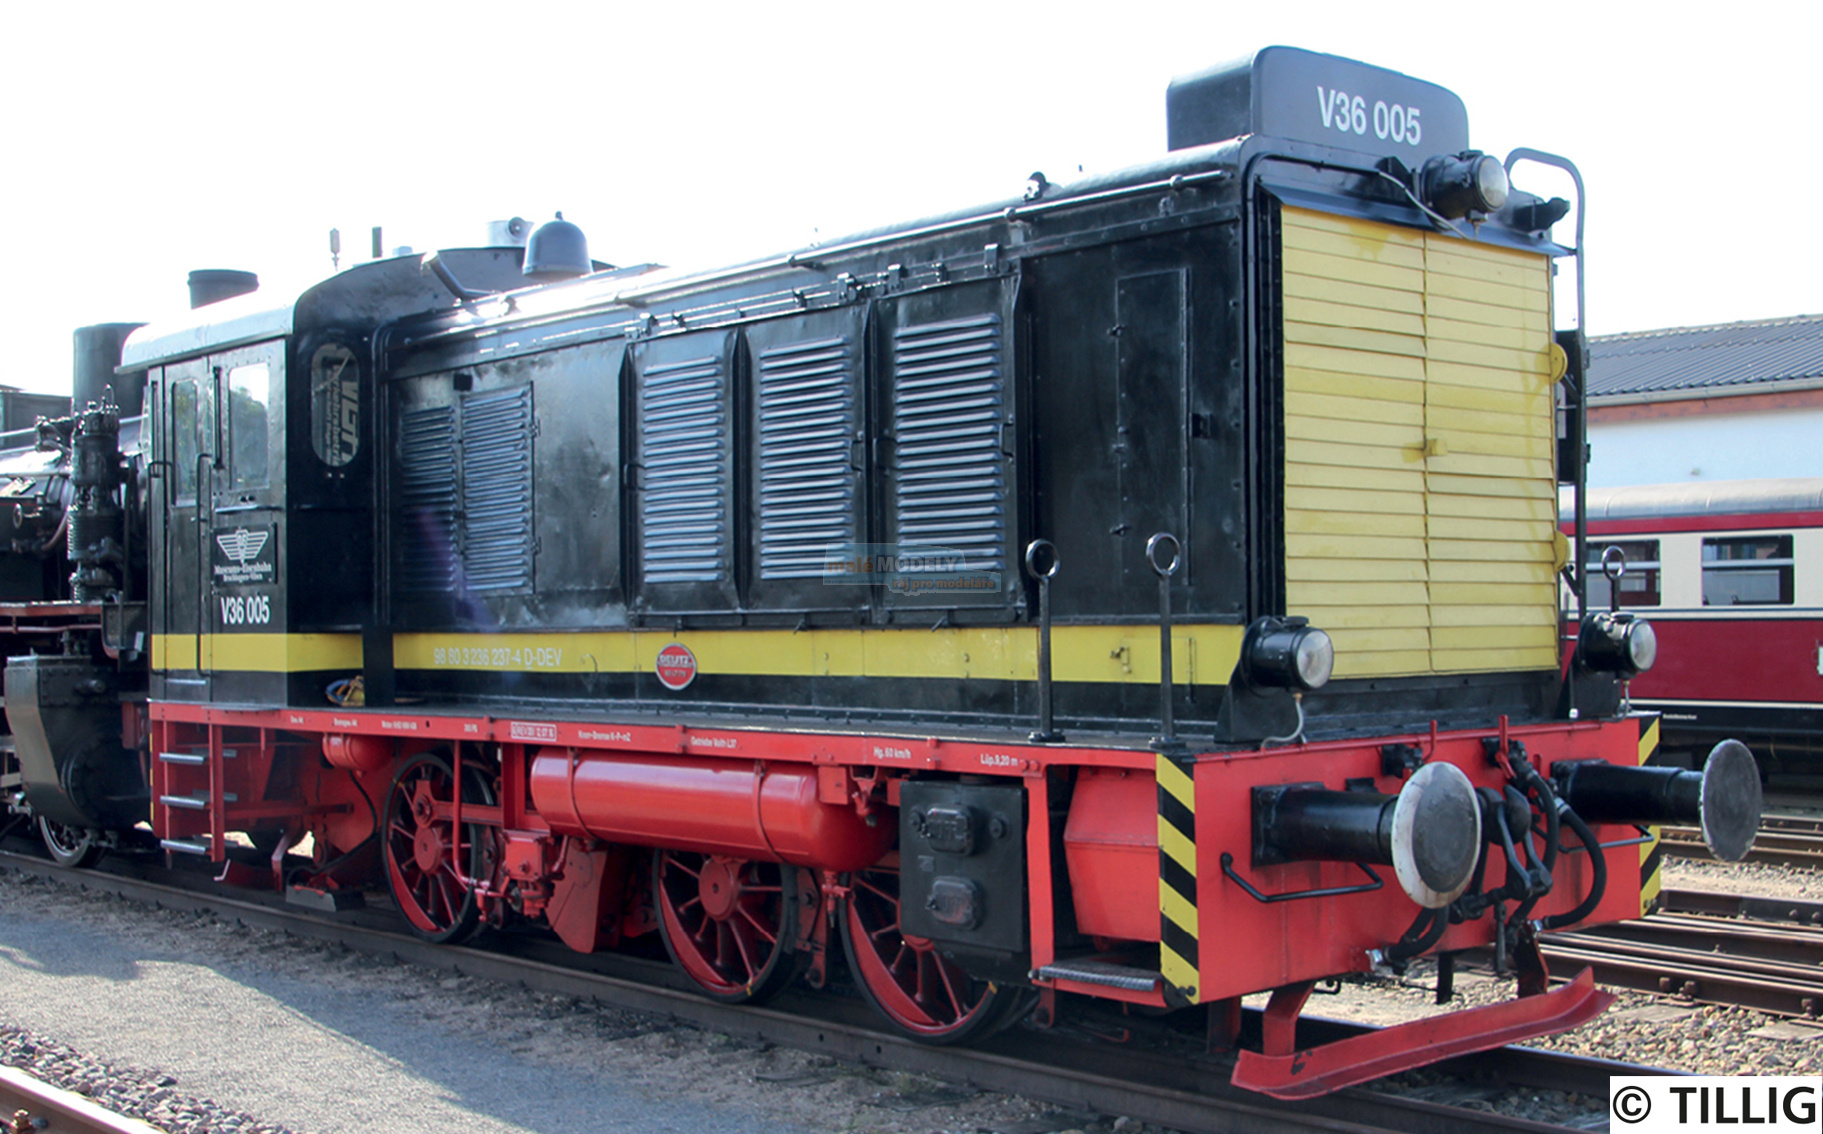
(739, 808)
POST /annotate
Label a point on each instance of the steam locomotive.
(1091, 595)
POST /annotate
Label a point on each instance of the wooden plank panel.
(1302, 403)
(1319, 452)
(1518, 572)
(1484, 378)
(1306, 286)
(1498, 660)
(1490, 637)
(1330, 546)
(1377, 318)
(1323, 498)
(1493, 295)
(1518, 270)
(1528, 404)
(1533, 509)
(1310, 357)
(1355, 523)
(1462, 442)
(1536, 321)
(1371, 387)
(1503, 334)
(1355, 434)
(1355, 570)
(1448, 484)
(1536, 360)
(1370, 480)
(1353, 270)
(1480, 593)
(1480, 551)
(1355, 338)
(1366, 238)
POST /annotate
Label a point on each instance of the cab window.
(249, 396)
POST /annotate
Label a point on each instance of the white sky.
(142, 141)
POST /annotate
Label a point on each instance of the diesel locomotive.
(1102, 593)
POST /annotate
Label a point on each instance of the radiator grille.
(428, 553)
(497, 489)
(685, 443)
(807, 425)
(949, 403)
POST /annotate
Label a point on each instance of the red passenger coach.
(1143, 590)
(1731, 575)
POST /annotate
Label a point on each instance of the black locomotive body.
(967, 590)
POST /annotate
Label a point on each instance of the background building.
(1728, 402)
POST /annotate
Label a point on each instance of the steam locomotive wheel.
(925, 995)
(419, 865)
(69, 846)
(728, 923)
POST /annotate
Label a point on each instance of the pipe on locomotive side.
(741, 809)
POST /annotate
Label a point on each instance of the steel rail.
(1775, 848)
(1186, 1089)
(28, 1103)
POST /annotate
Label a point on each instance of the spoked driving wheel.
(728, 923)
(69, 846)
(923, 993)
(420, 865)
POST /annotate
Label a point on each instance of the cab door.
(186, 449)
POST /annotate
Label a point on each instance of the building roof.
(1757, 356)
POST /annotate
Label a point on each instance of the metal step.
(184, 846)
(1104, 974)
(193, 758)
(197, 802)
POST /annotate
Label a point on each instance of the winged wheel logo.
(242, 545)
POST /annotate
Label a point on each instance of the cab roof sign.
(1285, 92)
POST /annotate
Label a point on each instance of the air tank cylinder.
(739, 808)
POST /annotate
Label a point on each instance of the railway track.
(1159, 1076)
(1759, 953)
(1784, 840)
(32, 1106)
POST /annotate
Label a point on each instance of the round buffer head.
(1436, 835)
(1731, 801)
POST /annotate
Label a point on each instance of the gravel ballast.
(196, 1024)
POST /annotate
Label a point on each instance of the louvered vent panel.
(497, 489)
(684, 514)
(807, 423)
(427, 472)
(949, 400)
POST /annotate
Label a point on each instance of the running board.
(1344, 1063)
(1104, 974)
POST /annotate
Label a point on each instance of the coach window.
(249, 393)
(1747, 571)
(1639, 586)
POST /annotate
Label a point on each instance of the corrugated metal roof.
(1721, 358)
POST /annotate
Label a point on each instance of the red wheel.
(418, 867)
(728, 923)
(924, 994)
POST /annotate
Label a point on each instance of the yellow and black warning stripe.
(1177, 878)
(1651, 854)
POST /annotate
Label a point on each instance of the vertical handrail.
(1166, 741)
(1034, 551)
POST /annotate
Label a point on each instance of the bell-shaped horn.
(1430, 833)
(1724, 798)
